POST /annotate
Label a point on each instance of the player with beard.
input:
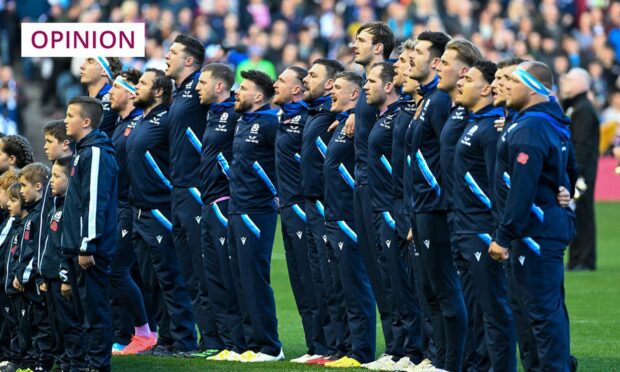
(289, 92)
(408, 304)
(533, 230)
(457, 59)
(374, 43)
(252, 214)
(330, 311)
(186, 117)
(126, 295)
(213, 88)
(473, 171)
(97, 74)
(439, 279)
(339, 188)
(149, 195)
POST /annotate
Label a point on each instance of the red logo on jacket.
(522, 158)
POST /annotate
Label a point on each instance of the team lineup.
(434, 187)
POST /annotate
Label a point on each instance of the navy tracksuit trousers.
(186, 216)
(441, 288)
(489, 289)
(539, 280)
(65, 315)
(251, 244)
(9, 346)
(220, 285)
(92, 287)
(128, 309)
(370, 253)
(152, 234)
(359, 300)
(293, 220)
(330, 312)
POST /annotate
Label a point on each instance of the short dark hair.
(116, 66)
(132, 75)
(57, 129)
(262, 81)
(331, 65)
(437, 39)
(467, 52)
(381, 34)
(511, 61)
(90, 108)
(14, 192)
(65, 163)
(163, 82)
(540, 71)
(387, 71)
(487, 69)
(35, 173)
(222, 72)
(193, 47)
(300, 73)
(351, 77)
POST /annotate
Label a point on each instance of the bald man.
(584, 125)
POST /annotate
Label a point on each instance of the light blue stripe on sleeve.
(475, 188)
(320, 207)
(194, 139)
(223, 164)
(389, 220)
(531, 244)
(426, 172)
(409, 160)
(347, 230)
(157, 170)
(536, 210)
(220, 216)
(196, 194)
(386, 164)
(251, 225)
(162, 219)
(299, 212)
(346, 175)
(297, 157)
(321, 146)
(486, 238)
(263, 176)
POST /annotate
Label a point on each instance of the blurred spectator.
(585, 132)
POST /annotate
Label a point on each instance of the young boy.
(9, 348)
(89, 231)
(17, 300)
(33, 179)
(56, 276)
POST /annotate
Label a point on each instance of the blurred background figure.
(584, 123)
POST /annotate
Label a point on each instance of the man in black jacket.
(584, 125)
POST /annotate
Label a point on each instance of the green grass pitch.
(593, 301)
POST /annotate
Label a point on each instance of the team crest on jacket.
(522, 158)
(55, 220)
(224, 117)
(27, 230)
(14, 244)
(255, 128)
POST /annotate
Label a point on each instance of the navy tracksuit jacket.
(472, 176)
(439, 280)
(110, 117)
(89, 228)
(126, 294)
(330, 312)
(187, 125)
(532, 165)
(149, 194)
(214, 171)
(293, 118)
(9, 343)
(339, 186)
(252, 220)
